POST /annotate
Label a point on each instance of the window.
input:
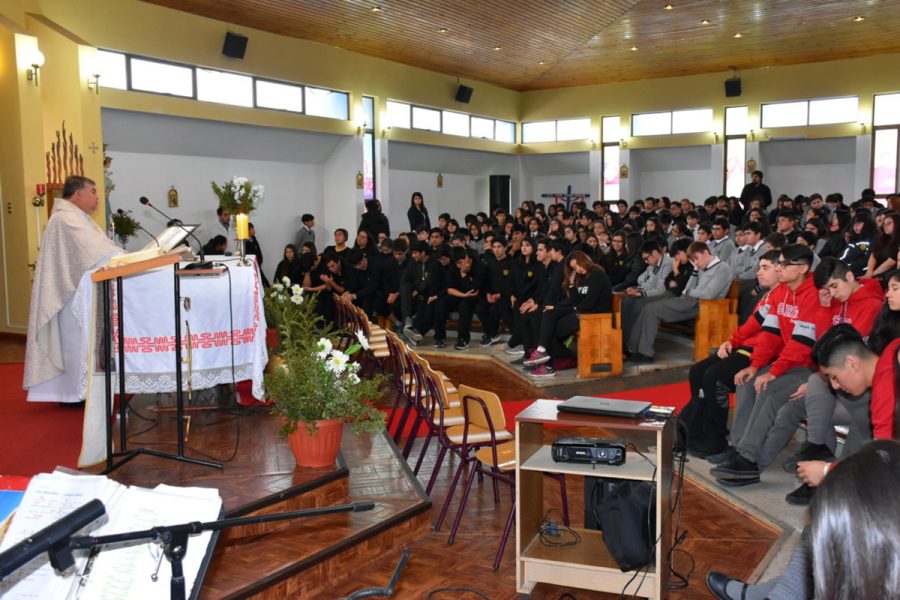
(279, 96)
(162, 78)
(887, 109)
(884, 160)
(455, 123)
(506, 132)
(368, 110)
(784, 114)
(692, 121)
(834, 110)
(224, 88)
(327, 103)
(735, 158)
(651, 124)
(398, 114)
(612, 129)
(482, 128)
(610, 189)
(426, 118)
(111, 68)
(736, 120)
(539, 131)
(573, 130)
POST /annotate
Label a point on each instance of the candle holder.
(244, 261)
(41, 191)
(242, 228)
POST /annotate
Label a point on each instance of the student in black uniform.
(587, 291)
(550, 253)
(496, 302)
(361, 281)
(388, 302)
(525, 288)
(465, 279)
(423, 276)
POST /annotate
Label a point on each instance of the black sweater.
(590, 294)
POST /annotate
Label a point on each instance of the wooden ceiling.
(542, 44)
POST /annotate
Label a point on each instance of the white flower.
(337, 362)
(280, 287)
(362, 340)
(286, 281)
(297, 289)
(353, 378)
(297, 299)
(353, 367)
(239, 181)
(274, 294)
(323, 347)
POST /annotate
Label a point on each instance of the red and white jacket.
(747, 335)
(861, 308)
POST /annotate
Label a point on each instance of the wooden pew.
(715, 322)
(599, 345)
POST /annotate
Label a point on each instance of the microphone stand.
(174, 538)
(203, 263)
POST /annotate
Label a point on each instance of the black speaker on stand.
(501, 192)
(235, 45)
(733, 87)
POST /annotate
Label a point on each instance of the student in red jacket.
(712, 379)
(788, 335)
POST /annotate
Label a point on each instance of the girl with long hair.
(289, 266)
(883, 258)
(417, 213)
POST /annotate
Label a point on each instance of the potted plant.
(124, 226)
(316, 387)
(238, 195)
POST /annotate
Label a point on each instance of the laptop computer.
(607, 407)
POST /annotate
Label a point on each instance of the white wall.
(805, 166)
(693, 172)
(554, 173)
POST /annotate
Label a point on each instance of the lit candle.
(242, 225)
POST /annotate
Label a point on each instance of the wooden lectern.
(102, 276)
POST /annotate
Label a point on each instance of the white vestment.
(72, 244)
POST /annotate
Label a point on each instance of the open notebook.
(168, 239)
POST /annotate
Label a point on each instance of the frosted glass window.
(368, 166)
(398, 114)
(327, 103)
(482, 128)
(612, 129)
(785, 114)
(426, 118)
(611, 173)
(279, 96)
(651, 124)
(834, 110)
(887, 109)
(111, 68)
(505, 132)
(224, 88)
(573, 129)
(539, 131)
(162, 78)
(736, 120)
(884, 161)
(368, 106)
(455, 123)
(735, 157)
(692, 121)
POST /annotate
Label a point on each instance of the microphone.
(53, 539)
(138, 225)
(203, 264)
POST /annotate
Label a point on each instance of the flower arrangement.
(124, 226)
(239, 195)
(317, 379)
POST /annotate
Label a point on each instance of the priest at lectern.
(72, 244)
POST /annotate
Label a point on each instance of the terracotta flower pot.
(319, 449)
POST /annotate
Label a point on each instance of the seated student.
(721, 245)
(331, 274)
(496, 304)
(651, 284)
(587, 291)
(289, 266)
(616, 260)
(465, 279)
(425, 284)
(217, 245)
(744, 264)
(682, 268)
(703, 233)
(712, 379)
(809, 239)
(786, 342)
(340, 243)
(361, 282)
(389, 301)
(524, 288)
(710, 280)
(856, 303)
(550, 254)
(636, 265)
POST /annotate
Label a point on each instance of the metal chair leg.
(505, 538)
(462, 504)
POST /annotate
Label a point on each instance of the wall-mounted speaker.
(235, 45)
(733, 87)
(463, 94)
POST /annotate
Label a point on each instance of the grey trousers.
(765, 410)
(631, 309)
(669, 310)
(744, 401)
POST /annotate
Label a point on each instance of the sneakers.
(409, 341)
(737, 467)
(489, 340)
(801, 496)
(461, 345)
(412, 334)
(515, 351)
(536, 358)
(519, 360)
(809, 452)
(639, 359)
(724, 456)
(440, 343)
(543, 371)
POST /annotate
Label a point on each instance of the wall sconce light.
(386, 132)
(94, 83)
(752, 135)
(716, 136)
(361, 130)
(593, 142)
(862, 126)
(623, 143)
(37, 61)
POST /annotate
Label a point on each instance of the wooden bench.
(599, 345)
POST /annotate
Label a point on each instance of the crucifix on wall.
(568, 197)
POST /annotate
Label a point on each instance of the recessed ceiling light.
(634, 48)
(668, 7)
(859, 19)
(443, 30)
(542, 62)
(738, 35)
(376, 9)
(704, 22)
(498, 48)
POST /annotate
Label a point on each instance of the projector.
(603, 451)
